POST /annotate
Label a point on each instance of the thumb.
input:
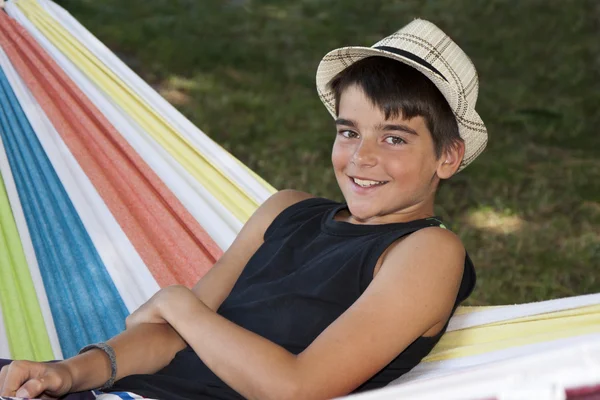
(32, 388)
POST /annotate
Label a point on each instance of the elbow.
(291, 381)
(284, 389)
(285, 392)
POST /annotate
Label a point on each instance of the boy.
(317, 299)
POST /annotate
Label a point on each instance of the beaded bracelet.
(110, 352)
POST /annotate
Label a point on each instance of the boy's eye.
(395, 140)
(348, 134)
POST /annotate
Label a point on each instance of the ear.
(450, 160)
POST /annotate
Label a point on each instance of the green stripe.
(25, 327)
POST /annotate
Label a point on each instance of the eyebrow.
(397, 127)
(383, 127)
(347, 122)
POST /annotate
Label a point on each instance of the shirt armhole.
(289, 212)
(468, 281)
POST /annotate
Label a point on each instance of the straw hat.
(423, 46)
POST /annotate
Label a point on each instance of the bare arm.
(412, 295)
(147, 348)
(141, 349)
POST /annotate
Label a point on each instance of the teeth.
(363, 183)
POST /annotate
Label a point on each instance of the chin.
(361, 212)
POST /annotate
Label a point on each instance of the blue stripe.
(84, 301)
(123, 395)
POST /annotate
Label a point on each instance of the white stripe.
(215, 219)
(433, 369)
(132, 279)
(116, 396)
(215, 153)
(544, 375)
(26, 243)
(4, 349)
(506, 313)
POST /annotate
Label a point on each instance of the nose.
(364, 155)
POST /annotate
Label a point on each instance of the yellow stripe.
(471, 309)
(517, 332)
(224, 189)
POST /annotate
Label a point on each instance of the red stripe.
(170, 241)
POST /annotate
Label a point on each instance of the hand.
(34, 379)
(152, 311)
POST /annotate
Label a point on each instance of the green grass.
(528, 209)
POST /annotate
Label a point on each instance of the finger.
(3, 372)
(17, 374)
(32, 388)
(14, 375)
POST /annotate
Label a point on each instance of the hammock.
(108, 193)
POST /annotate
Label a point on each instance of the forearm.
(141, 349)
(252, 365)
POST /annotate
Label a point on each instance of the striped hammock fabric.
(107, 194)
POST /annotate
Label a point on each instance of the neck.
(417, 211)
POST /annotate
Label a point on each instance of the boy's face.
(386, 169)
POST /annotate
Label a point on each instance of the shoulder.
(279, 201)
(285, 198)
(251, 236)
(430, 252)
(272, 207)
(428, 266)
(435, 242)
(435, 238)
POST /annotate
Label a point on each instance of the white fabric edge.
(26, 243)
(130, 275)
(510, 312)
(434, 369)
(542, 375)
(216, 220)
(118, 396)
(216, 155)
(4, 349)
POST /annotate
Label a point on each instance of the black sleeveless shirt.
(308, 271)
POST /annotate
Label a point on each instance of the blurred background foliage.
(528, 209)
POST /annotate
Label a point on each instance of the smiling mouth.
(364, 183)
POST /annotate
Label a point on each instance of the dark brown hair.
(400, 90)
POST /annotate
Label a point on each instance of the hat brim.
(470, 126)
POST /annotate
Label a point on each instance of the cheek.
(406, 169)
(339, 156)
